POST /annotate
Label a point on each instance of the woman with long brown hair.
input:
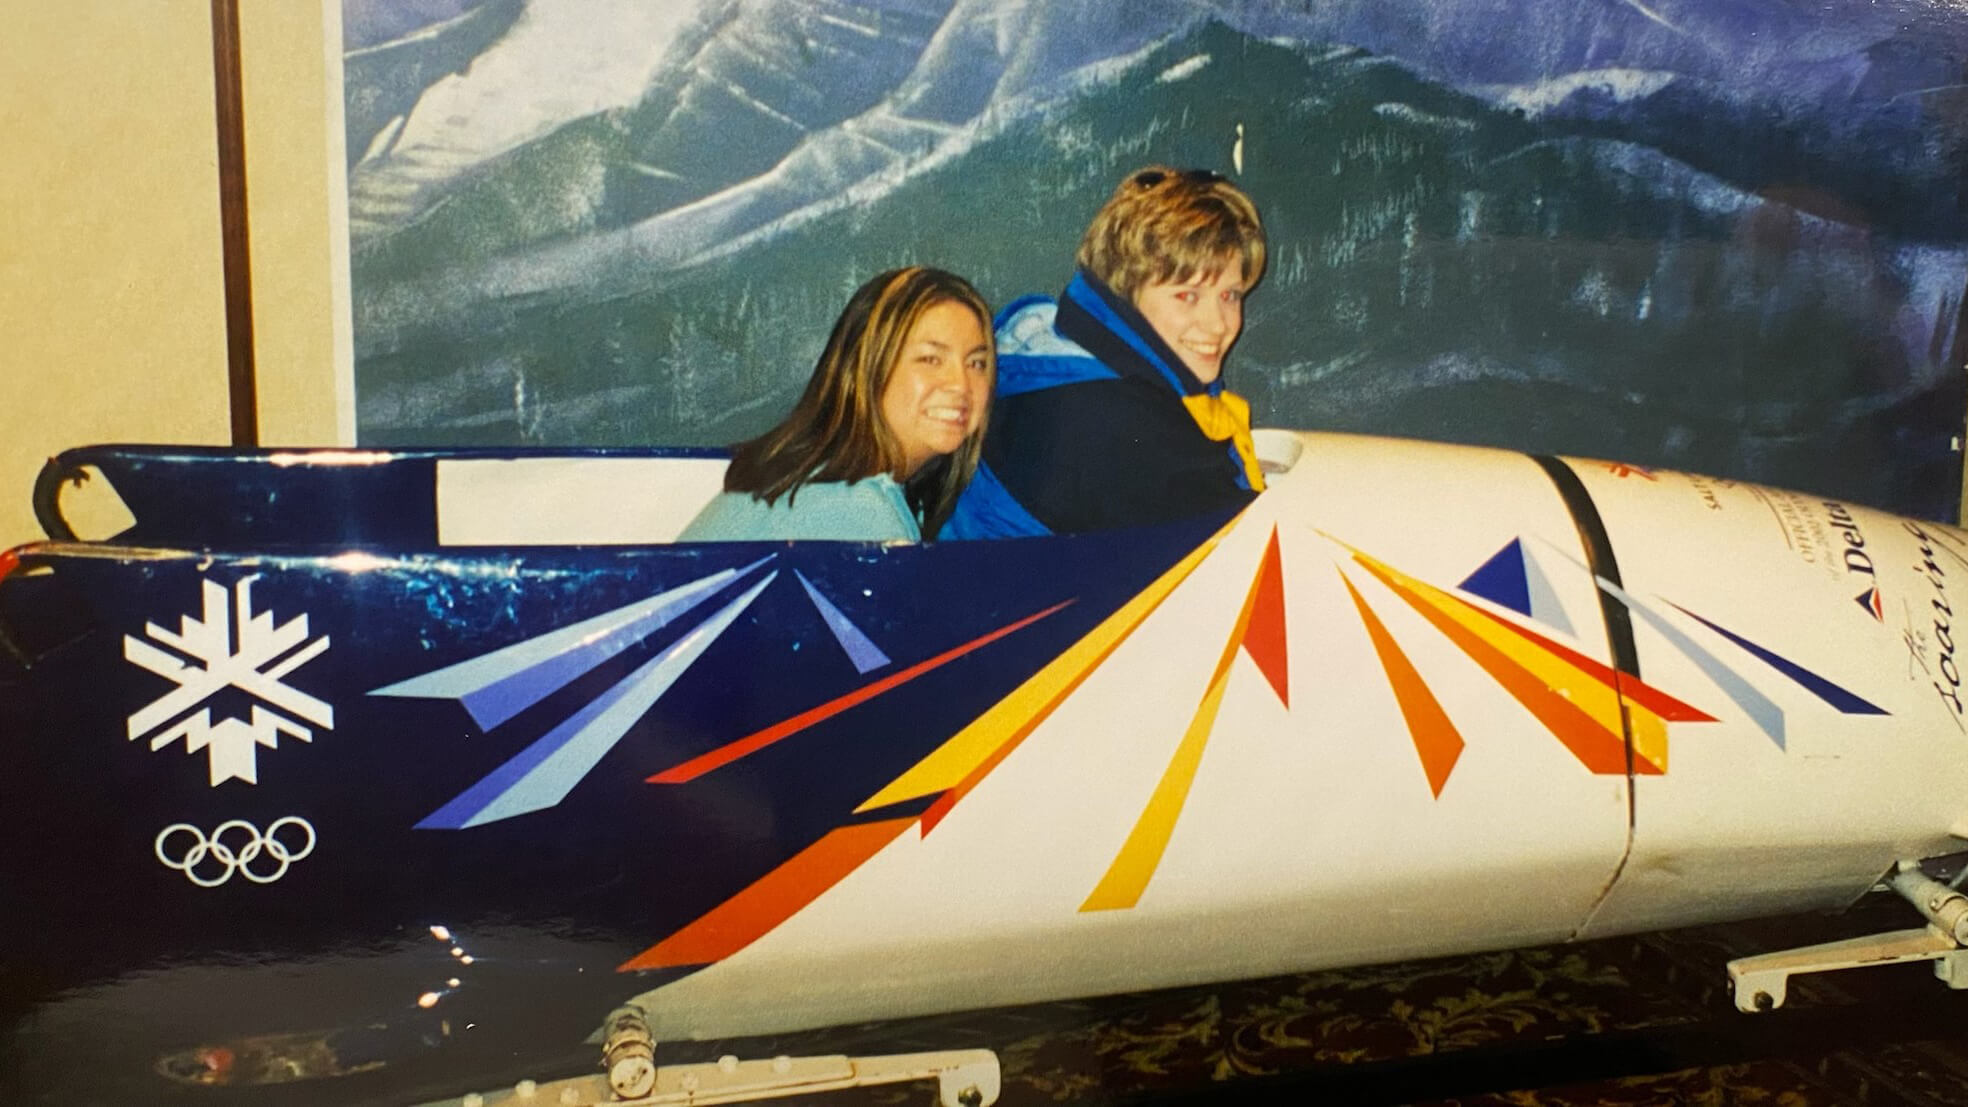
(888, 431)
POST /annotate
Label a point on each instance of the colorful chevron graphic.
(1260, 632)
(1579, 700)
(1513, 580)
(497, 686)
(952, 770)
(1505, 616)
(752, 743)
(866, 656)
(1759, 707)
(1596, 711)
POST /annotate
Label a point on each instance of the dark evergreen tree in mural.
(1727, 237)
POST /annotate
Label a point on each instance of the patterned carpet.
(1625, 1022)
(1630, 1021)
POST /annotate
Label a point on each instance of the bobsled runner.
(353, 775)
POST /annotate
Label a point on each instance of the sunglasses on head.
(1149, 178)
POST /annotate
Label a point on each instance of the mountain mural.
(1727, 237)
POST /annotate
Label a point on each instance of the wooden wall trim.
(228, 88)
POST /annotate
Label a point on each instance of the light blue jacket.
(870, 510)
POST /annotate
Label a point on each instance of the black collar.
(1110, 328)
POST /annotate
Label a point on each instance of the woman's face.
(1198, 318)
(941, 384)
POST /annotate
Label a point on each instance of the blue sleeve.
(988, 510)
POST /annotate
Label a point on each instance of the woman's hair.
(836, 432)
(1166, 224)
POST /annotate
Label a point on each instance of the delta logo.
(1869, 599)
(1857, 561)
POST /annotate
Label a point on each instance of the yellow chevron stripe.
(1589, 694)
(1649, 739)
(1139, 856)
(1010, 719)
(1127, 877)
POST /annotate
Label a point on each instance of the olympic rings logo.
(234, 847)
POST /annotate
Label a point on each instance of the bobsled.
(353, 772)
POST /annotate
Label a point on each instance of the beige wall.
(302, 350)
(112, 319)
(112, 316)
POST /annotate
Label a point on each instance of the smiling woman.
(888, 431)
(936, 395)
(1199, 318)
(1112, 410)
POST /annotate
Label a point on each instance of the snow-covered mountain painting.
(1729, 236)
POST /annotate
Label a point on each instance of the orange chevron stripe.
(1265, 639)
(772, 899)
(752, 743)
(1436, 740)
(1598, 742)
(1631, 687)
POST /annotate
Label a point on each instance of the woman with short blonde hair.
(1111, 407)
(1165, 225)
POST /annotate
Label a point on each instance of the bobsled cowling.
(313, 710)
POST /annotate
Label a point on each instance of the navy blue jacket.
(1088, 430)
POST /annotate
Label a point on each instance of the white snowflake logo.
(258, 664)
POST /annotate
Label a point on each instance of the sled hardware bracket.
(1759, 982)
(964, 1078)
